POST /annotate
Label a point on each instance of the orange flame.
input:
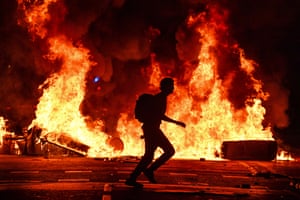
(214, 120)
(203, 104)
(284, 155)
(3, 133)
(58, 109)
(36, 15)
(2, 130)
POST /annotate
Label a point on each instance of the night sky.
(118, 33)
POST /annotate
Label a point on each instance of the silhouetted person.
(154, 137)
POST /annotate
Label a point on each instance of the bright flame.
(36, 15)
(58, 109)
(203, 104)
(2, 130)
(283, 155)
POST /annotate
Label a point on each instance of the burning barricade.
(62, 145)
(31, 143)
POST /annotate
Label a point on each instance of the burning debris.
(95, 60)
(49, 145)
(65, 142)
(55, 149)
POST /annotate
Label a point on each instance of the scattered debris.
(54, 149)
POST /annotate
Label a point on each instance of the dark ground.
(77, 178)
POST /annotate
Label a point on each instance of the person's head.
(167, 85)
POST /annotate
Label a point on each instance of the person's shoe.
(133, 183)
(150, 176)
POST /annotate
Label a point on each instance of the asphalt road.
(81, 178)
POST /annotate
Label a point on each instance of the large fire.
(214, 120)
(202, 103)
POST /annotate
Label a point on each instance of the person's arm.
(168, 119)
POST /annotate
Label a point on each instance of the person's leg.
(144, 162)
(169, 151)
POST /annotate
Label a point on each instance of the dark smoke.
(269, 33)
(123, 36)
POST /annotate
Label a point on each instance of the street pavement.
(82, 178)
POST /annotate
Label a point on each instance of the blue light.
(96, 79)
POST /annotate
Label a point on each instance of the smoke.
(122, 35)
(267, 30)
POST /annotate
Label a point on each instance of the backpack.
(143, 107)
